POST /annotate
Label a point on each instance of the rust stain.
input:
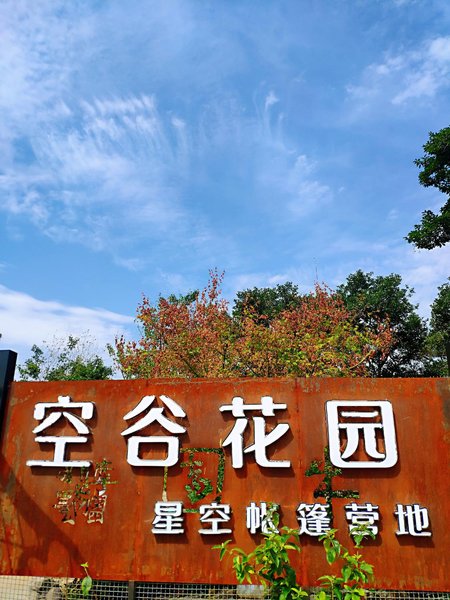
(34, 541)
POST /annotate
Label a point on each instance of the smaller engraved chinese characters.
(85, 495)
(314, 519)
(212, 516)
(168, 518)
(258, 518)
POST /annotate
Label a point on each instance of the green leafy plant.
(79, 588)
(270, 564)
(199, 486)
(86, 582)
(355, 571)
(325, 489)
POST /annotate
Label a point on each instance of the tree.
(265, 304)
(380, 299)
(315, 338)
(200, 339)
(434, 229)
(64, 360)
(439, 338)
(188, 336)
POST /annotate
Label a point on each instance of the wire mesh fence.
(46, 588)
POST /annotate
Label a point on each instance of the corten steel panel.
(34, 541)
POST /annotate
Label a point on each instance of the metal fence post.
(7, 367)
(131, 590)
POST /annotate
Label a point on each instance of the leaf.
(326, 577)
(347, 573)
(330, 555)
(86, 585)
(366, 567)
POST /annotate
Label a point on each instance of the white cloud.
(271, 99)
(120, 170)
(39, 50)
(25, 320)
(309, 195)
(101, 172)
(425, 270)
(286, 171)
(302, 277)
(418, 74)
(119, 167)
(112, 170)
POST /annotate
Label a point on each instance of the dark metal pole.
(131, 590)
(7, 367)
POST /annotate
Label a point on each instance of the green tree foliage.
(264, 304)
(377, 299)
(434, 229)
(439, 338)
(64, 360)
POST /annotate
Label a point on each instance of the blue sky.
(144, 143)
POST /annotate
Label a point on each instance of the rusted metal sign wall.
(195, 463)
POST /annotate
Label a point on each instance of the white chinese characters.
(262, 440)
(168, 518)
(362, 514)
(412, 520)
(213, 515)
(154, 414)
(313, 519)
(64, 407)
(258, 518)
(370, 423)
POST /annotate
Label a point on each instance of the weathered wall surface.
(35, 541)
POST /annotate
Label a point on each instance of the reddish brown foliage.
(200, 339)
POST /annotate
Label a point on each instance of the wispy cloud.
(405, 76)
(26, 320)
(40, 46)
(101, 172)
(285, 170)
(116, 161)
(120, 170)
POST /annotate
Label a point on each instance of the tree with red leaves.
(198, 338)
